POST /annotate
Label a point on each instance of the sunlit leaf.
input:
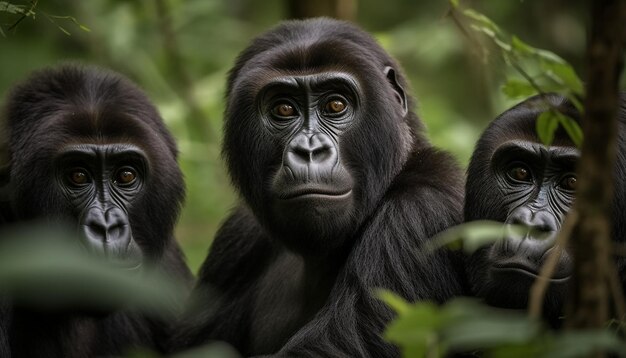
(11, 8)
(454, 3)
(521, 47)
(394, 301)
(416, 327)
(483, 20)
(572, 128)
(565, 74)
(547, 123)
(515, 88)
(472, 235)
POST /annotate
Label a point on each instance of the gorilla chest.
(288, 296)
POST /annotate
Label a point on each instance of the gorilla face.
(538, 184)
(316, 129)
(102, 183)
(308, 115)
(88, 148)
(514, 179)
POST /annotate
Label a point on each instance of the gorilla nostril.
(97, 230)
(302, 153)
(321, 154)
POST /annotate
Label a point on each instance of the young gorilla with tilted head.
(515, 179)
(340, 192)
(86, 147)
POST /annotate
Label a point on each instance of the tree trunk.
(589, 300)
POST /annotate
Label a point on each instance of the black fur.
(70, 105)
(293, 288)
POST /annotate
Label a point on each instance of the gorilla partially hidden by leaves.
(87, 148)
(341, 190)
(515, 179)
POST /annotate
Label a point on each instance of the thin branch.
(25, 14)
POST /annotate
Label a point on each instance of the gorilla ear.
(398, 90)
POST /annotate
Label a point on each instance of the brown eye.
(79, 177)
(335, 106)
(284, 110)
(125, 176)
(520, 174)
(569, 183)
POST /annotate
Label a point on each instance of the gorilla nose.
(537, 222)
(311, 149)
(106, 230)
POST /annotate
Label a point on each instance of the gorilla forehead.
(519, 123)
(70, 104)
(310, 46)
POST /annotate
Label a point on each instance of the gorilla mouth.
(527, 270)
(315, 192)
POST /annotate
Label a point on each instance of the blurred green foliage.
(424, 329)
(458, 89)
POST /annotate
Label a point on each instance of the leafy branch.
(26, 11)
(554, 75)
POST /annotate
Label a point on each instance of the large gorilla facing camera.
(87, 148)
(515, 179)
(341, 190)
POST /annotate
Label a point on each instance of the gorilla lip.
(315, 192)
(519, 267)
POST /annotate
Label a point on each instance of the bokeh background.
(179, 52)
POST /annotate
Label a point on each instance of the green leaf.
(483, 20)
(471, 236)
(392, 300)
(574, 344)
(572, 128)
(471, 325)
(564, 74)
(521, 47)
(417, 327)
(547, 123)
(515, 88)
(454, 3)
(49, 268)
(11, 9)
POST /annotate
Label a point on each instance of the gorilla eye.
(78, 177)
(125, 176)
(520, 174)
(335, 106)
(569, 183)
(284, 110)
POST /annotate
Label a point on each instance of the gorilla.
(87, 148)
(340, 193)
(515, 179)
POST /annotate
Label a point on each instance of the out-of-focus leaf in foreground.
(47, 268)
